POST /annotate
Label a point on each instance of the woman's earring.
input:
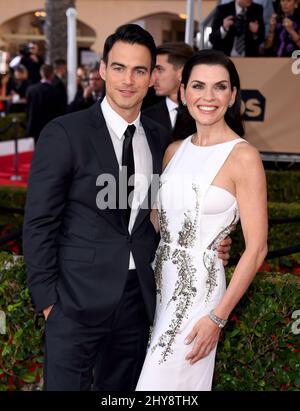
(184, 103)
(230, 105)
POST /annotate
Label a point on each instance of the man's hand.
(254, 26)
(228, 22)
(47, 311)
(224, 250)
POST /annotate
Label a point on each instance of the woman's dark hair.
(132, 34)
(213, 58)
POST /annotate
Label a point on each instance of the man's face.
(127, 76)
(166, 77)
(33, 48)
(244, 3)
(95, 81)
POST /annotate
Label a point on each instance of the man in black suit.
(88, 264)
(238, 28)
(86, 97)
(88, 255)
(59, 83)
(43, 103)
(170, 60)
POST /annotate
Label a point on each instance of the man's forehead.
(129, 52)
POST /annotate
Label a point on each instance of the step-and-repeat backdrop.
(271, 102)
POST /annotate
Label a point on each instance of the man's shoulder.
(155, 108)
(74, 119)
(224, 8)
(152, 123)
(156, 130)
(255, 7)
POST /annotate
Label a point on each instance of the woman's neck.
(212, 134)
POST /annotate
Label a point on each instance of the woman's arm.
(251, 193)
(250, 182)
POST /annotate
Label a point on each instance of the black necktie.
(241, 30)
(128, 161)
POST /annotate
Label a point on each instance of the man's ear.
(102, 70)
(151, 79)
(179, 74)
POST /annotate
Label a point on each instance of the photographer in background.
(33, 62)
(238, 28)
(284, 34)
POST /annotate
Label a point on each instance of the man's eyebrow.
(115, 63)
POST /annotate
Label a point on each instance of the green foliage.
(258, 350)
(15, 130)
(21, 353)
(280, 235)
(13, 197)
(283, 186)
(260, 347)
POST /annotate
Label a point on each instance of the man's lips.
(127, 93)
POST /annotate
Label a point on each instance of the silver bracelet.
(217, 320)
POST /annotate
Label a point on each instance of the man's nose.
(128, 77)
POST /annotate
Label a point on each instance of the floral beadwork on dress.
(163, 251)
(163, 225)
(185, 290)
(210, 260)
(187, 235)
(162, 255)
(183, 295)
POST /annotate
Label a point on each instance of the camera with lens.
(24, 50)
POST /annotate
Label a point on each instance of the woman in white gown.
(210, 181)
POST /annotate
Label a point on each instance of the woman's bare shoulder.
(246, 157)
(245, 153)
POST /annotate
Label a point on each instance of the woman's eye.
(198, 86)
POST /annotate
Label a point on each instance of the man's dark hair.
(178, 53)
(132, 34)
(59, 63)
(47, 71)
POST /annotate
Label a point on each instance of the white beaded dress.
(194, 216)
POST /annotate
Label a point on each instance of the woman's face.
(208, 93)
(288, 6)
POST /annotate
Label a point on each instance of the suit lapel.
(165, 114)
(154, 145)
(105, 152)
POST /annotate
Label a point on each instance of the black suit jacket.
(60, 87)
(74, 251)
(43, 105)
(184, 126)
(254, 12)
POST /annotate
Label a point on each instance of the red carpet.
(7, 169)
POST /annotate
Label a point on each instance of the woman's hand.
(205, 335)
(288, 24)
